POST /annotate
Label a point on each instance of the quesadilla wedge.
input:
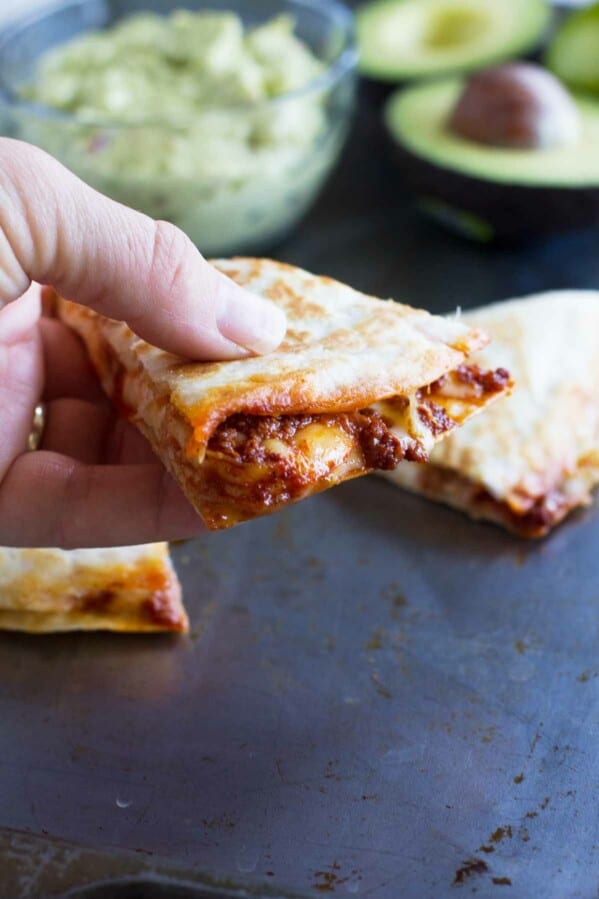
(535, 457)
(353, 388)
(132, 588)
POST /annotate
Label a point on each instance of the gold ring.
(37, 427)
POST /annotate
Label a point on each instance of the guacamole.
(178, 116)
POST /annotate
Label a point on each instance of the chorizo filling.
(375, 438)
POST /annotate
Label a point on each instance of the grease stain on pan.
(222, 822)
(376, 640)
(505, 832)
(476, 867)
(396, 598)
(488, 734)
(380, 688)
(472, 867)
(327, 880)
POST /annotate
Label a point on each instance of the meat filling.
(543, 513)
(480, 381)
(245, 437)
(250, 438)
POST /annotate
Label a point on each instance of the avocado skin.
(515, 213)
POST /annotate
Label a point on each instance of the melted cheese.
(543, 440)
(344, 351)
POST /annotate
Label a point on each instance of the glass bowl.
(227, 201)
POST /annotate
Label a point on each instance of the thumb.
(58, 230)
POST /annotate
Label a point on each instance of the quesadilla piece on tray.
(353, 388)
(535, 456)
(131, 588)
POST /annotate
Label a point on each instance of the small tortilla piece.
(352, 389)
(132, 588)
(535, 456)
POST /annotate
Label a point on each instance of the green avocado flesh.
(417, 120)
(574, 52)
(403, 39)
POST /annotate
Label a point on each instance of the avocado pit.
(516, 106)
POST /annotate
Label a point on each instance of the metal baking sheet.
(379, 698)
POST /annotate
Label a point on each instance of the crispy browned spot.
(159, 610)
(97, 602)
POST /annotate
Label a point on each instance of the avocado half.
(573, 54)
(486, 192)
(403, 39)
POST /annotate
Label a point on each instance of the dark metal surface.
(379, 698)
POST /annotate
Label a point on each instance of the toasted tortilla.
(131, 588)
(353, 388)
(535, 456)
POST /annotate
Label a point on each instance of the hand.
(95, 481)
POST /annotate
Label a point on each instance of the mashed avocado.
(177, 116)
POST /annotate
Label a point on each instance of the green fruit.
(516, 193)
(574, 51)
(404, 39)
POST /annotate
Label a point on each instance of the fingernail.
(251, 322)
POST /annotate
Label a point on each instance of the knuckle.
(172, 252)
